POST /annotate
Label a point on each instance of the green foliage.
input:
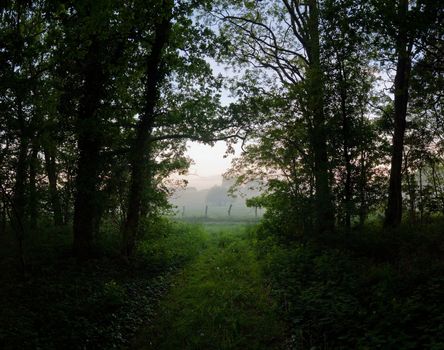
(100, 97)
(113, 294)
(367, 290)
(173, 244)
(288, 216)
(99, 305)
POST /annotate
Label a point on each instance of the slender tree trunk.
(145, 203)
(89, 141)
(19, 200)
(437, 186)
(3, 215)
(411, 188)
(68, 195)
(421, 202)
(139, 150)
(412, 196)
(315, 93)
(346, 149)
(362, 191)
(51, 172)
(394, 207)
(33, 201)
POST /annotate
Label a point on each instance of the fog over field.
(208, 196)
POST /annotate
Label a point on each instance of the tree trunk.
(33, 201)
(346, 149)
(362, 172)
(437, 186)
(89, 141)
(145, 202)
(139, 149)
(394, 207)
(362, 190)
(412, 196)
(68, 195)
(19, 200)
(421, 202)
(3, 215)
(315, 93)
(51, 172)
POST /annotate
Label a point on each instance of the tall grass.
(219, 302)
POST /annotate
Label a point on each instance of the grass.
(100, 305)
(218, 302)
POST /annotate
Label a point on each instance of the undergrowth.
(97, 305)
(368, 289)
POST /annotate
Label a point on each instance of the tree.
(346, 53)
(180, 101)
(296, 61)
(153, 79)
(406, 23)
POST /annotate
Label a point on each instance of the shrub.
(371, 289)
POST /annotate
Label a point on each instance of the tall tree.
(316, 105)
(408, 25)
(346, 55)
(403, 66)
(284, 38)
(90, 62)
(139, 150)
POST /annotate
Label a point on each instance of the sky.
(209, 164)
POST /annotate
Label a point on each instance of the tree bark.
(51, 172)
(19, 200)
(89, 141)
(138, 155)
(393, 214)
(421, 202)
(315, 93)
(3, 215)
(412, 196)
(346, 149)
(362, 190)
(33, 200)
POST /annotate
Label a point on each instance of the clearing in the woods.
(219, 301)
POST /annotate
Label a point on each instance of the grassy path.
(218, 302)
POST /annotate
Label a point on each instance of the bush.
(369, 290)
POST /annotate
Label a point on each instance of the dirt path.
(218, 302)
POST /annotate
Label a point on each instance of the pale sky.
(209, 164)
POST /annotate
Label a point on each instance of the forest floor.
(223, 285)
(219, 301)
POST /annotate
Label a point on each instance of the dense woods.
(337, 106)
